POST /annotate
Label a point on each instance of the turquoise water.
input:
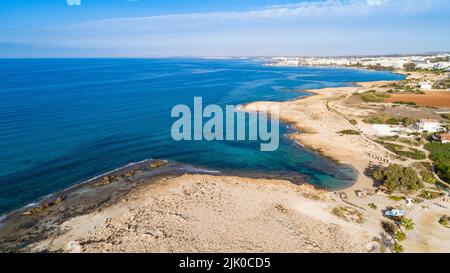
(63, 121)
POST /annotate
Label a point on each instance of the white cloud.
(316, 27)
(301, 13)
(374, 2)
(334, 8)
(74, 2)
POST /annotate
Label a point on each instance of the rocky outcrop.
(44, 206)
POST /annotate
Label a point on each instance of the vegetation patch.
(428, 194)
(399, 178)
(373, 96)
(445, 221)
(349, 214)
(409, 103)
(417, 141)
(349, 132)
(403, 150)
(382, 118)
(372, 206)
(440, 154)
(396, 198)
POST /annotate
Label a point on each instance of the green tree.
(400, 236)
(399, 178)
(397, 248)
(407, 223)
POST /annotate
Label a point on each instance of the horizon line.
(239, 56)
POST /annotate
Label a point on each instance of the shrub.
(372, 206)
(445, 221)
(398, 178)
(397, 248)
(349, 214)
(427, 194)
(349, 132)
(373, 96)
(411, 103)
(396, 198)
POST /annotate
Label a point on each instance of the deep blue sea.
(63, 121)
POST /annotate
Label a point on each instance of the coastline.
(98, 200)
(171, 207)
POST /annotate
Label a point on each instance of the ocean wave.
(45, 197)
(3, 218)
(196, 169)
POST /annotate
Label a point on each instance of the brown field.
(431, 98)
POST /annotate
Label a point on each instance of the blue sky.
(140, 28)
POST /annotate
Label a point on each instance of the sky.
(221, 28)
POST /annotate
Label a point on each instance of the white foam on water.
(35, 203)
(201, 170)
(2, 218)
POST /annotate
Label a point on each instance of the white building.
(429, 125)
(426, 85)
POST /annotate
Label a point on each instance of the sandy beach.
(202, 213)
(319, 128)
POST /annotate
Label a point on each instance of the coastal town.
(418, 62)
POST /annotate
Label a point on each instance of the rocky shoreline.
(39, 221)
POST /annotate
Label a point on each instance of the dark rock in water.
(60, 199)
(44, 206)
(107, 180)
(36, 210)
(158, 163)
(131, 173)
